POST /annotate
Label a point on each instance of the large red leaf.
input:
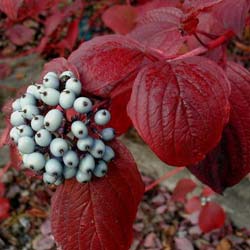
(180, 108)
(229, 162)
(212, 216)
(4, 208)
(105, 62)
(100, 214)
(120, 18)
(11, 7)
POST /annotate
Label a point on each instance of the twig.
(163, 178)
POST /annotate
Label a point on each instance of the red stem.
(163, 178)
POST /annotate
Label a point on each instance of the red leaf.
(15, 157)
(180, 108)
(120, 18)
(11, 7)
(212, 216)
(59, 65)
(4, 137)
(207, 192)
(232, 14)
(229, 162)
(52, 22)
(193, 205)
(5, 70)
(105, 62)
(183, 187)
(199, 5)
(2, 189)
(20, 35)
(100, 214)
(4, 208)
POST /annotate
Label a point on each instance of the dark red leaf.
(5, 70)
(11, 7)
(20, 35)
(52, 22)
(212, 216)
(180, 108)
(100, 214)
(193, 205)
(4, 208)
(105, 62)
(2, 189)
(59, 65)
(120, 18)
(183, 187)
(232, 14)
(229, 162)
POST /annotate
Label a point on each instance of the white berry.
(25, 158)
(29, 111)
(33, 90)
(85, 144)
(58, 147)
(53, 167)
(59, 181)
(26, 145)
(14, 134)
(67, 98)
(27, 99)
(43, 138)
(109, 154)
(71, 159)
(83, 105)
(102, 117)
(51, 81)
(67, 73)
(87, 163)
(83, 177)
(37, 122)
(100, 169)
(36, 161)
(53, 120)
(74, 85)
(25, 130)
(16, 105)
(48, 178)
(108, 134)
(50, 73)
(79, 129)
(98, 149)
(69, 173)
(17, 118)
(50, 96)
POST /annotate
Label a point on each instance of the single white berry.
(87, 163)
(85, 144)
(16, 105)
(51, 81)
(98, 149)
(83, 177)
(53, 120)
(37, 122)
(29, 111)
(102, 117)
(58, 147)
(74, 85)
(109, 154)
(67, 98)
(26, 145)
(17, 118)
(27, 99)
(43, 138)
(53, 167)
(25, 158)
(100, 169)
(50, 73)
(40, 89)
(14, 134)
(69, 173)
(24, 130)
(108, 134)
(79, 129)
(50, 96)
(48, 178)
(83, 105)
(67, 73)
(33, 90)
(36, 161)
(71, 159)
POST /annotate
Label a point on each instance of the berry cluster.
(52, 146)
